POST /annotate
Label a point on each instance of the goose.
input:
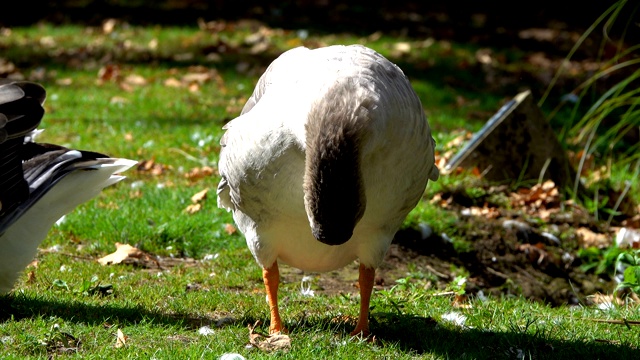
(328, 156)
(39, 182)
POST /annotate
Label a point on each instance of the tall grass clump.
(602, 115)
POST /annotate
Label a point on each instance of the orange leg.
(365, 280)
(271, 277)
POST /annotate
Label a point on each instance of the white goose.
(39, 183)
(327, 158)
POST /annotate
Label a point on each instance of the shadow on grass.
(419, 335)
(18, 306)
(412, 334)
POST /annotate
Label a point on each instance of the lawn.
(160, 95)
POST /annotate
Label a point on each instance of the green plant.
(600, 261)
(599, 121)
(630, 260)
(458, 285)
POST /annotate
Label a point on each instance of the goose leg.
(271, 277)
(365, 281)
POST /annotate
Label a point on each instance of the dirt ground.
(508, 254)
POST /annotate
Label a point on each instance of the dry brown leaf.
(199, 173)
(118, 100)
(589, 238)
(230, 229)
(135, 80)
(64, 81)
(461, 302)
(633, 222)
(153, 44)
(540, 200)
(485, 211)
(343, 319)
(441, 161)
(152, 167)
(268, 343)
(193, 208)
(199, 78)
(123, 251)
(31, 277)
(200, 196)
(401, 48)
(457, 142)
(108, 73)
(599, 298)
(108, 26)
(126, 87)
(121, 339)
(576, 158)
(172, 82)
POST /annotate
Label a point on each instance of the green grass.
(152, 307)
(161, 319)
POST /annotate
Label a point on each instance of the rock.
(517, 143)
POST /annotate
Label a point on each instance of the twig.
(497, 273)
(436, 272)
(444, 293)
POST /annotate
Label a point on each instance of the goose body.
(39, 183)
(327, 158)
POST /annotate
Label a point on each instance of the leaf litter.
(268, 343)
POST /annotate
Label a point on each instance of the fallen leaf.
(31, 277)
(118, 100)
(135, 80)
(539, 34)
(194, 87)
(230, 229)
(485, 212)
(108, 26)
(461, 302)
(152, 167)
(401, 48)
(153, 44)
(540, 200)
(172, 82)
(199, 173)
(193, 208)
(589, 238)
(198, 77)
(64, 81)
(108, 73)
(123, 252)
(121, 339)
(606, 301)
(200, 196)
(268, 343)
